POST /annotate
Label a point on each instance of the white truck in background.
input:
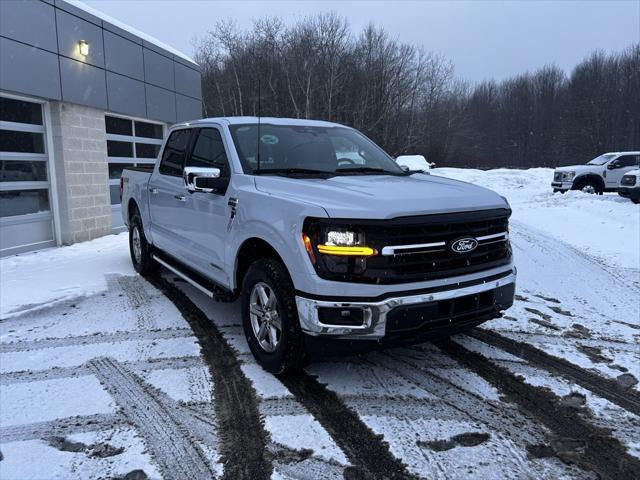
(602, 174)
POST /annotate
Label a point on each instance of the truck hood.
(581, 168)
(382, 196)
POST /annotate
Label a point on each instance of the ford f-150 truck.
(319, 233)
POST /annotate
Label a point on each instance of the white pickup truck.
(319, 233)
(630, 186)
(602, 174)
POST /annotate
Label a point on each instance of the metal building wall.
(39, 56)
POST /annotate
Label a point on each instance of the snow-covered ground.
(604, 226)
(102, 377)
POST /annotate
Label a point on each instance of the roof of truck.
(265, 120)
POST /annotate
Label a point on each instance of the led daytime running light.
(347, 251)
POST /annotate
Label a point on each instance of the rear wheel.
(270, 317)
(139, 248)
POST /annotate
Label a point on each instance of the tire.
(590, 187)
(139, 248)
(284, 351)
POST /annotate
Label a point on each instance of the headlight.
(568, 176)
(335, 249)
(343, 242)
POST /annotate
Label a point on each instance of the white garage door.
(26, 221)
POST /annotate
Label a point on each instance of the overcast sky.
(484, 39)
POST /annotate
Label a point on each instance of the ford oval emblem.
(464, 245)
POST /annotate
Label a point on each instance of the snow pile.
(605, 226)
(413, 162)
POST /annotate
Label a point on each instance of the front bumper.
(561, 186)
(377, 315)
(629, 192)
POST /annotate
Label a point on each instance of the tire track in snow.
(501, 417)
(78, 371)
(550, 339)
(62, 427)
(577, 441)
(136, 292)
(460, 404)
(368, 453)
(169, 441)
(241, 432)
(410, 408)
(80, 340)
(604, 387)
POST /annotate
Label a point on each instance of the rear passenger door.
(207, 213)
(168, 194)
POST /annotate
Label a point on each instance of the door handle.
(180, 197)
(153, 190)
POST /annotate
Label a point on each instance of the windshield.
(299, 149)
(601, 160)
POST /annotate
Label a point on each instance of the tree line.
(409, 101)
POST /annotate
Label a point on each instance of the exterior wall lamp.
(83, 48)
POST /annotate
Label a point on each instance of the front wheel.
(590, 187)
(270, 317)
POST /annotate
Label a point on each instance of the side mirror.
(613, 165)
(200, 179)
(414, 163)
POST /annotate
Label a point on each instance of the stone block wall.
(81, 168)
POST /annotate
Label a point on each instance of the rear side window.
(209, 152)
(174, 152)
(628, 160)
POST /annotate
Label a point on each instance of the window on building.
(24, 179)
(20, 111)
(130, 143)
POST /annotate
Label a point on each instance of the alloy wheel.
(265, 317)
(136, 244)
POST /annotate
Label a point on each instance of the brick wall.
(80, 159)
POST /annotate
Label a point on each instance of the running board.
(211, 290)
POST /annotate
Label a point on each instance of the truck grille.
(423, 247)
(557, 177)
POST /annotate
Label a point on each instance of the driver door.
(207, 213)
(618, 167)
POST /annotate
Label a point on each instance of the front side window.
(209, 152)
(173, 156)
(628, 160)
(306, 149)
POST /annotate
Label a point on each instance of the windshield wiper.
(369, 170)
(292, 171)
